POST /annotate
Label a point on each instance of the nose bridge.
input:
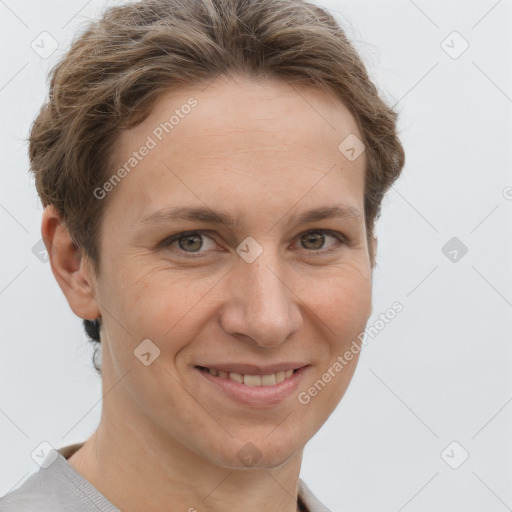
(263, 306)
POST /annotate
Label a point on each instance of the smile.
(248, 389)
(251, 380)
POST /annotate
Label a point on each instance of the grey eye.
(190, 243)
(313, 240)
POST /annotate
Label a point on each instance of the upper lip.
(254, 369)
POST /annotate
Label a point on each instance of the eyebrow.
(204, 214)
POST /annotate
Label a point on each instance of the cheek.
(341, 307)
(157, 303)
(170, 307)
(343, 302)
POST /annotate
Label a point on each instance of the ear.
(373, 249)
(71, 270)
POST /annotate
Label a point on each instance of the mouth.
(261, 388)
(269, 379)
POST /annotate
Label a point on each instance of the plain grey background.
(434, 386)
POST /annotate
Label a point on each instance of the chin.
(256, 454)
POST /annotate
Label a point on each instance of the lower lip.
(256, 396)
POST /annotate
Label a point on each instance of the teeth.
(237, 377)
(250, 380)
(268, 380)
(254, 380)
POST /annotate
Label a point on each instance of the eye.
(315, 240)
(190, 242)
(197, 243)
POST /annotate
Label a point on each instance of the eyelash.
(335, 234)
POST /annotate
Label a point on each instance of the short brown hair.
(116, 70)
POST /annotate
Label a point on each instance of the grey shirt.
(60, 488)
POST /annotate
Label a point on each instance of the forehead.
(267, 135)
(242, 104)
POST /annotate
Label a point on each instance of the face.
(263, 267)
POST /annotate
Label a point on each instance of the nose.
(259, 304)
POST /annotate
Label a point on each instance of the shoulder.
(56, 487)
(31, 496)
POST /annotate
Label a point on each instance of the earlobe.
(69, 266)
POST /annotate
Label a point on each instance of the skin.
(265, 151)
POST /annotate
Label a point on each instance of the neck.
(136, 467)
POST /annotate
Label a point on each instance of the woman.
(211, 173)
